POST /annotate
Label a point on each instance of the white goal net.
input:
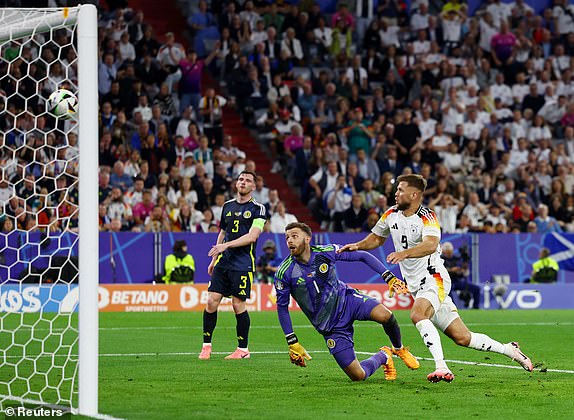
(45, 351)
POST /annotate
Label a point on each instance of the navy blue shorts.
(231, 283)
(358, 307)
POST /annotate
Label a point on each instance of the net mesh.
(39, 212)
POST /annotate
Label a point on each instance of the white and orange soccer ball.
(62, 104)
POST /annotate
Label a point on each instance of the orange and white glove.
(297, 352)
(395, 284)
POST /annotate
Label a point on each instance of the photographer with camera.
(268, 263)
(457, 267)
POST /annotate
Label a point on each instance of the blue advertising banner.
(162, 298)
(514, 254)
(34, 298)
(128, 257)
(529, 296)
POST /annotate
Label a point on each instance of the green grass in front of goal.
(149, 370)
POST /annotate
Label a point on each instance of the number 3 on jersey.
(235, 226)
(404, 242)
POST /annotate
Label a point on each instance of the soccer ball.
(63, 104)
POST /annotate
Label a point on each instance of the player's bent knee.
(462, 339)
(417, 316)
(355, 372)
(381, 314)
(213, 303)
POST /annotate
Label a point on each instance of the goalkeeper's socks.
(374, 362)
(431, 338)
(243, 323)
(483, 342)
(393, 330)
(209, 322)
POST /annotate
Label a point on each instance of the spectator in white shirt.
(281, 219)
(446, 208)
(292, 45)
(520, 89)
(502, 90)
(421, 44)
(487, 31)
(427, 125)
(420, 20)
(499, 11)
(472, 127)
(389, 34)
(476, 211)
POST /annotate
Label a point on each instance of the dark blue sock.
(393, 331)
(242, 328)
(209, 322)
(374, 362)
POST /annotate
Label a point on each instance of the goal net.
(48, 323)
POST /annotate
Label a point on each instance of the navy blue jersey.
(316, 287)
(236, 220)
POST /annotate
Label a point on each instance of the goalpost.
(49, 320)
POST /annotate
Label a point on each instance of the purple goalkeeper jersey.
(316, 287)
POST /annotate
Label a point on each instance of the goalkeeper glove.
(395, 284)
(297, 352)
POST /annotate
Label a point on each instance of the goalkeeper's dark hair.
(299, 225)
(413, 180)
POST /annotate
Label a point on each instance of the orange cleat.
(389, 366)
(407, 357)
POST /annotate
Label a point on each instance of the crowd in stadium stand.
(344, 100)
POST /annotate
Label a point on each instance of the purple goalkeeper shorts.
(358, 307)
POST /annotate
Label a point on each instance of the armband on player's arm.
(297, 352)
(395, 284)
(258, 223)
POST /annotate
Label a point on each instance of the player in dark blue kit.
(233, 263)
(309, 275)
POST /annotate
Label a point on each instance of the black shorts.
(231, 283)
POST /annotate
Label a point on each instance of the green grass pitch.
(149, 370)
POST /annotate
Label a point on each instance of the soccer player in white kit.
(416, 236)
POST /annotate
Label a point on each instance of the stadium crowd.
(481, 105)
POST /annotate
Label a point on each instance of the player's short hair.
(253, 174)
(299, 225)
(413, 180)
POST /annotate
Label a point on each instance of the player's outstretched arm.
(372, 241)
(395, 284)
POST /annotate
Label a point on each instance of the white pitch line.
(73, 410)
(196, 327)
(265, 327)
(193, 353)
(461, 362)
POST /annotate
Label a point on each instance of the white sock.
(206, 344)
(243, 349)
(483, 342)
(431, 338)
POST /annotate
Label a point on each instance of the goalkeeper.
(309, 275)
